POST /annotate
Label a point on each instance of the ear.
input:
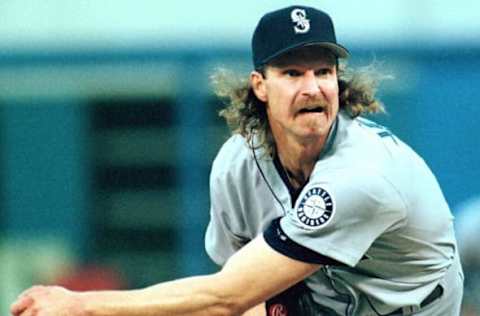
(257, 81)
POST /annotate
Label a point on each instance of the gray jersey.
(371, 204)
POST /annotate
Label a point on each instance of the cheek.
(275, 110)
(278, 100)
(332, 94)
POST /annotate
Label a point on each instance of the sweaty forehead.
(305, 55)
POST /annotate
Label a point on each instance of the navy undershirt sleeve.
(278, 240)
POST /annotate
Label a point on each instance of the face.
(301, 94)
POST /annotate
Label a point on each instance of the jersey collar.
(332, 135)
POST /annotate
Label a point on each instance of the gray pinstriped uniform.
(371, 203)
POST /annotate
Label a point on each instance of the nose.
(310, 84)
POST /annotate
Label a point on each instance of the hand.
(48, 301)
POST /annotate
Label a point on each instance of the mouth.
(313, 109)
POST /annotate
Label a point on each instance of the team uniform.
(371, 205)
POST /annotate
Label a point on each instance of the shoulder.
(369, 153)
(234, 156)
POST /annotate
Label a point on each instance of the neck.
(299, 158)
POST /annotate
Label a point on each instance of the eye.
(292, 73)
(323, 71)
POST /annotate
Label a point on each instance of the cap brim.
(338, 50)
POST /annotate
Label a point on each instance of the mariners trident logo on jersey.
(299, 17)
(316, 208)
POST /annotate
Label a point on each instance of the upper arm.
(258, 272)
(341, 216)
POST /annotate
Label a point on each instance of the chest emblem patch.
(315, 208)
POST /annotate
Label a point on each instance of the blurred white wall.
(26, 24)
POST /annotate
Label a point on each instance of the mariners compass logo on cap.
(299, 17)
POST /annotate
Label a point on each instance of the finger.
(21, 305)
(28, 312)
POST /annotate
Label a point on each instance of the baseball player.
(325, 187)
(314, 210)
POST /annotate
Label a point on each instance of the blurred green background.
(108, 126)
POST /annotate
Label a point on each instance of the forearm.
(251, 276)
(258, 310)
(193, 296)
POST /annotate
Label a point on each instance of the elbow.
(228, 301)
(223, 309)
(226, 311)
(228, 306)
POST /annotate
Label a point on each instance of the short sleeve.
(340, 218)
(220, 240)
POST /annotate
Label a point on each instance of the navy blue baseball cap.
(282, 30)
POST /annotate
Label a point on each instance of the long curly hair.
(246, 115)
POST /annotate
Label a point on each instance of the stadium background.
(108, 124)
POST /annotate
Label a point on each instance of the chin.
(318, 128)
(314, 133)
